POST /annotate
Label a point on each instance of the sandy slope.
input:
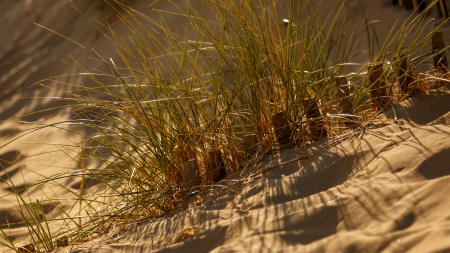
(384, 191)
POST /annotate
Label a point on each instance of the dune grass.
(174, 95)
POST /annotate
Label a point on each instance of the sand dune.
(381, 191)
(384, 191)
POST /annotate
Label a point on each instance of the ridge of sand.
(382, 192)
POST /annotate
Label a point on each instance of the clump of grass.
(175, 95)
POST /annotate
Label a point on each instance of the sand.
(384, 191)
(381, 191)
